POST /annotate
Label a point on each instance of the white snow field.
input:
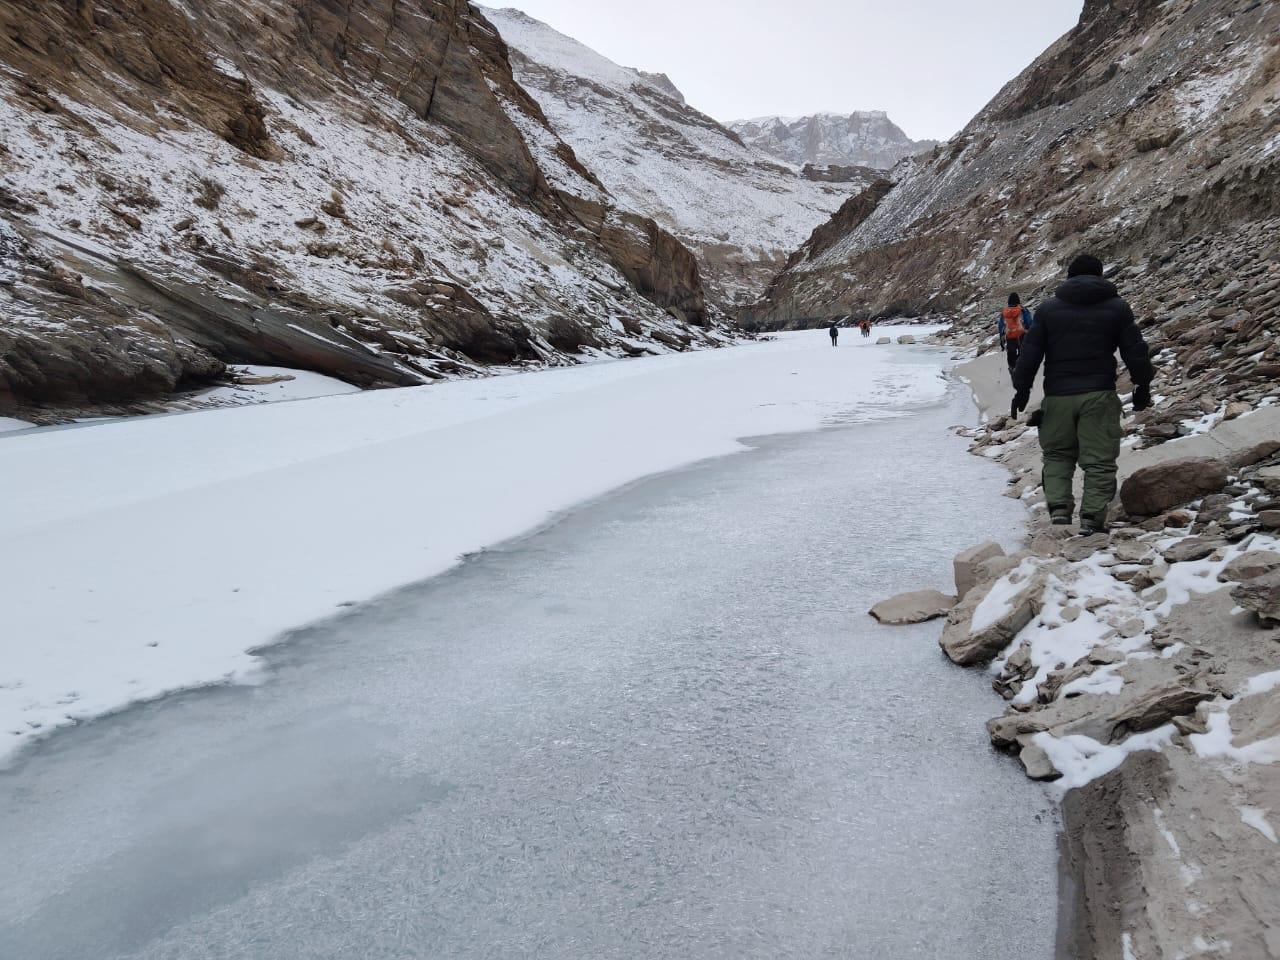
(150, 555)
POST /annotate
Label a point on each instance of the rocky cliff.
(358, 188)
(738, 209)
(866, 138)
(1149, 134)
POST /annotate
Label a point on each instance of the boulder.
(1160, 486)
(987, 619)
(882, 341)
(1236, 409)
(915, 607)
(906, 338)
(1270, 519)
(1261, 595)
(968, 565)
(1255, 563)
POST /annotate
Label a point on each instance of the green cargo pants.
(1084, 429)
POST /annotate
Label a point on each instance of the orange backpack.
(1013, 325)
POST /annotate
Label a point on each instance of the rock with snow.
(968, 565)
(987, 619)
(914, 607)
(1159, 487)
(881, 341)
(1261, 595)
(906, 338)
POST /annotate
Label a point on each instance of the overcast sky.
(932, 64)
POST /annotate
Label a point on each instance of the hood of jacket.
(1087, 290)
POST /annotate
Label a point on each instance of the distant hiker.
(865, 326)
(1015, 321)
(835, 334)
(1076, 333)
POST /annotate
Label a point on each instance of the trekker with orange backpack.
(1015, 321)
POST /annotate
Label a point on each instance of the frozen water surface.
(663, 726)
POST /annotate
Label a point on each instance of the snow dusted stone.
(1261, 595)
(1249, 565)
(882, 341)
(1160, 486)
(968, 565)
(915, 607)
(906, 338)
(987, 620)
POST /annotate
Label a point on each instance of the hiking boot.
(1091, 525)
(1060, 517)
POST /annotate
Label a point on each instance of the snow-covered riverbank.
(152, 555)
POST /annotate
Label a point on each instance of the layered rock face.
(866, 138)
(739, 209)
(357, 188)
(1149, 134)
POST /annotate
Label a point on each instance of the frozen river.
(663, 726)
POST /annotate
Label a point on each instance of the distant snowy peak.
(863, 138)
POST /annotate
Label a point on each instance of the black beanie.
(1015, 300)
(1086, 264)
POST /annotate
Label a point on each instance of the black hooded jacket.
(1076, 333)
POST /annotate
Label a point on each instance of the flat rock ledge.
(915, 607)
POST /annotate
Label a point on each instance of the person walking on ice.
(1015, 321)
(1076, 334)
(835, 334)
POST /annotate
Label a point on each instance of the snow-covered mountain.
(357, 189)
(740, 210)
(865, 138)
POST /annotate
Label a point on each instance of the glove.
(1020, 401)
(1036, 418)
(1142, 396)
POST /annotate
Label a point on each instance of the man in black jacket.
(1076, 333)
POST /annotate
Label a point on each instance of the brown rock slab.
(1160, 486)
(1249, 565)
(915, 607)
(1192, 548)
(1259, 451)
